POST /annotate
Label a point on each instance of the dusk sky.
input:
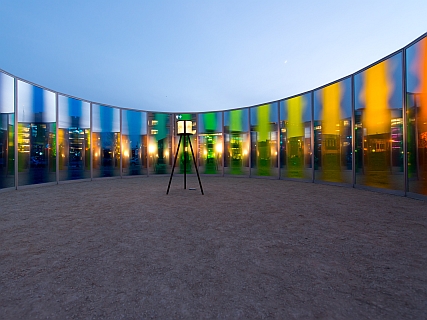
(198, 55)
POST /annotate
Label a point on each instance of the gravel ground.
(248, 248)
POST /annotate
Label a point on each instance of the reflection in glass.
(295, 131)
(237, 147)
(264, 153)
(379, 125)
(210, 142)
(332, 133)
(159, 146)
(73, 138)
(106, 141)
(36, 135)
(416, 97)
(7, 131)
(184, 150)
(134, 142)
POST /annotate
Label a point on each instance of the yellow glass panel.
(331, 152)
(377, 126)
(295, 123)
(378, 87)
(331, 108)
(263, 122)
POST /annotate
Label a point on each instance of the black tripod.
(186, 136)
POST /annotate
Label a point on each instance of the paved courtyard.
(248, 248)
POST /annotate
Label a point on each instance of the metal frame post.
(121, 143)
(353, 133)
(16, 169)
(250, 143)
(405, 124)
(223, 143)
(56, 137)
(91, 141)
(312, 135)
(278, 140)
(148, 143)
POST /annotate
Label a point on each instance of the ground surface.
(248, 248)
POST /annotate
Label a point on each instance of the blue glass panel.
(134, 142)
(106, 141)
(36, 135)
(7, 131)
(416, 99)
(73, 138)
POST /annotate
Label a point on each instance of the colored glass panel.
(295, 131)
(106, 141)
(185, 157)
(160, 143)
(379, 125)
(73, 138)
(134, 142)
(332, 133)
(237, 142)
(36, 135)
(7, 131)
(416, 97)
(210, 142)
(264, 153)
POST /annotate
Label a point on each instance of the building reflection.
(159, 148)
(7, 150)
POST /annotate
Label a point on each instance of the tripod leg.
(174, 163)
(195, 165)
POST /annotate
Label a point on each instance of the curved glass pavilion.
(367, 130)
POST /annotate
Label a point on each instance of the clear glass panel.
(73, 138)
(36, 135)
(134, 142)
(106, 141)
(379, 125)
(237, 143)
(295, 132)
(160, 143)
(416, 97)
(332, 133)
(210, 142)
(7, 131)
(264, 153)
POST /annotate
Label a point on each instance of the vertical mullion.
(405, 119)
(223, 143)
(91, 141)
(353, 133)
(197, 141)
(121, 143)
(278, 139)
(312, 135)
(172, 121)
(148, 143)
(16, 132)
(250, 143)
(56, 137)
